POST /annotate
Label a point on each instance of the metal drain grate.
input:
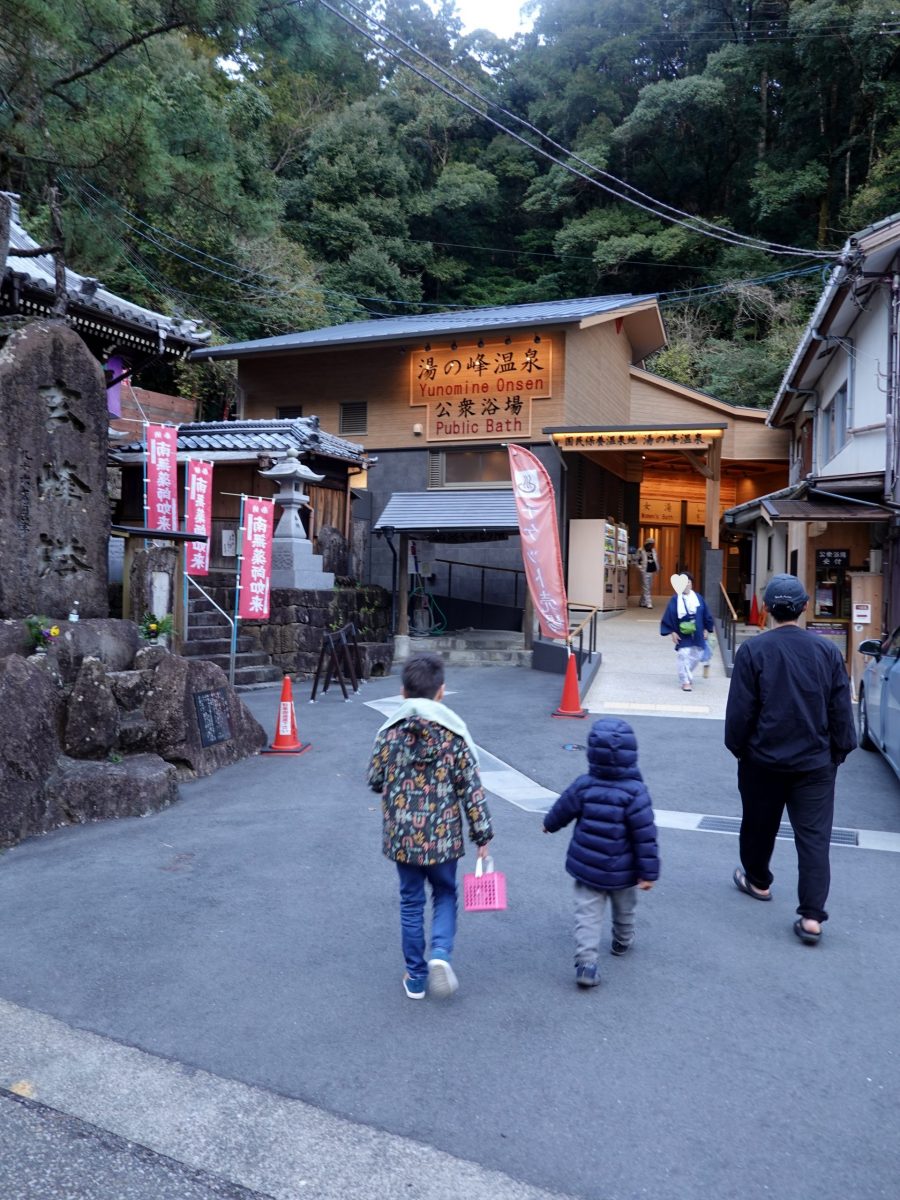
(839, 837)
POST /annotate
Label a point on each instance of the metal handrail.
(450, 563)
(729, 620)
(727, 600)
(589, 623)
(233, 651)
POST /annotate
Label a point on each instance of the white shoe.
(442, 981)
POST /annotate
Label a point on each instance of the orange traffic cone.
(754, 611)
(286, 740)
(570, 705)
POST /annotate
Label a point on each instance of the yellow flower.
(54, 631)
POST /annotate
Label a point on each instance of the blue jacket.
(614, 842)
(702, 618)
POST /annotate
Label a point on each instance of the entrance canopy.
(451, 516)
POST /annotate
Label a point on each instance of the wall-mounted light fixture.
(417, 430)
(480, 343)
(453, 345)
(537, 338)
(428, 345)
(506, 341)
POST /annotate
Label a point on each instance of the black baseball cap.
(785, 593)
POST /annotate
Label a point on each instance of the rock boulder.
(184, 723)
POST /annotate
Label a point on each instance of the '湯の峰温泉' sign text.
(480, 392)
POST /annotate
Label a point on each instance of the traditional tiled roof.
(239, 440)
(435, 324)
(88, 299)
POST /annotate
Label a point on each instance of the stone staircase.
(209, 638)
(476, 648)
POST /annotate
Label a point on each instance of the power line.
(697, 224)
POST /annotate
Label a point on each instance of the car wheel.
(865, 738)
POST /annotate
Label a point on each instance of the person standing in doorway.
(789, 724)
(688, 622)
(648, 566)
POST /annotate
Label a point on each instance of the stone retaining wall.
(299, 619)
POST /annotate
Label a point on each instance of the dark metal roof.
(430, 514)
(825, 510)
(430, 325)
(249, 438)
(799, 502)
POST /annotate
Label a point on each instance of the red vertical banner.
(256, 562)
(199, 515)
(536, 508)
(162, 477)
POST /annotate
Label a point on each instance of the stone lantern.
(294, 565)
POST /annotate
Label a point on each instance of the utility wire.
(697, 224)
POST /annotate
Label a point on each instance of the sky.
(499, 16)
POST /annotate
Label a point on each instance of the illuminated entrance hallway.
(639, 677)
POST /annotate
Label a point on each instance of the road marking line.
(511, 785)
(632, 706)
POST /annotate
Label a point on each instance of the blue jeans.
(442, 877)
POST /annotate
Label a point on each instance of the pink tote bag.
(485, 891)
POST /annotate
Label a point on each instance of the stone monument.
(54, 512)
(294, 565)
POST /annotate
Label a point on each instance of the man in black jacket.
(789, 723)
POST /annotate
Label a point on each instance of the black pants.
(809, 799)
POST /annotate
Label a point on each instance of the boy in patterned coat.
(425, 766)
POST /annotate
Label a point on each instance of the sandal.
(805, 935)
(742, 885)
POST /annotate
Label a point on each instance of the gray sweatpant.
(589, 905)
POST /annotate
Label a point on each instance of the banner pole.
(237, 590)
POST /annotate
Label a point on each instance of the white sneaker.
(442, 981)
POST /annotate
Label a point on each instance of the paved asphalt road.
(219, 987)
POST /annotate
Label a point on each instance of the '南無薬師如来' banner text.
(162, 477)
(199, 515)
(256, 564)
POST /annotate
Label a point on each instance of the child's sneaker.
(587, 975)
(414, 988)
(619, 947)
(442, 981)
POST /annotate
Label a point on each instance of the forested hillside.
(269, 165)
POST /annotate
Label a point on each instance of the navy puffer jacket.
(614, 843)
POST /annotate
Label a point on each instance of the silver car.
(879, 698)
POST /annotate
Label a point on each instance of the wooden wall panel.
(324, 380)
(598, 363)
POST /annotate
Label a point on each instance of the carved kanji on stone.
(58, 407)
(54, 446)
(61, 483)
(62, 556)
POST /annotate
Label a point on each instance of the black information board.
(832, 560)
(212, 716)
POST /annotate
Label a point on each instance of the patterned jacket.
(427, 778)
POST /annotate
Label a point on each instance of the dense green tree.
(266, 166)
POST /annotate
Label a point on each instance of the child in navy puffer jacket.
(613, 850)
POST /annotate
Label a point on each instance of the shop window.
(354, 418)
(468, 469)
